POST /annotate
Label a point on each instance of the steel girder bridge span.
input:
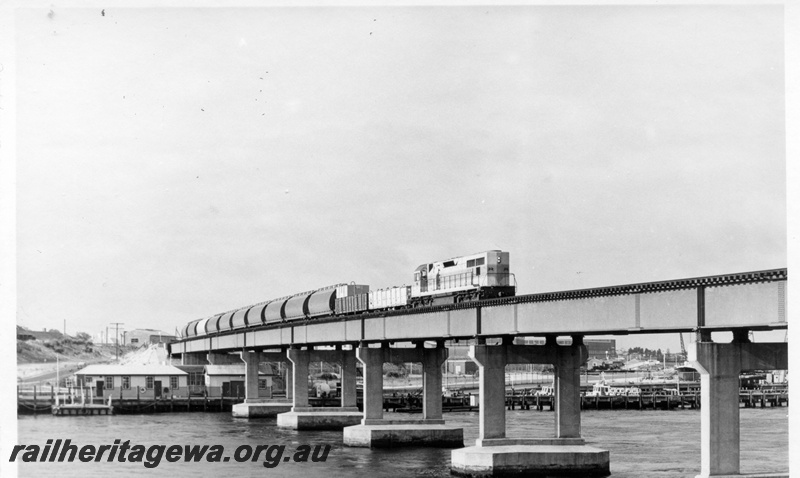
(739, 303)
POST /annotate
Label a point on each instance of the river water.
(642, 443)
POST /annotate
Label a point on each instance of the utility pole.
(117, 324)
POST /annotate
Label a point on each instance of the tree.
(393, 370)
(83, 338)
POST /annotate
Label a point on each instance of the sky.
(176, 163)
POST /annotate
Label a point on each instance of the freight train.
(479, 276)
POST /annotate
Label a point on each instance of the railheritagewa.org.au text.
(64, 451)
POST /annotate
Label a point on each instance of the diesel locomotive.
(479, 276)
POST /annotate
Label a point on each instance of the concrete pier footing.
(529, 441)
(320, 418)
(264, 409)
(404, 433)
(530, 460)
(749, 475)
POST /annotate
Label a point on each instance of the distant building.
(594, 363)
(131, 381)
(24, 334)
(601, 348)
(147, 336)
(27, 334)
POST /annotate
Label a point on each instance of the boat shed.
(134, 380)
(228, 381)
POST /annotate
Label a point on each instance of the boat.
(604, 389)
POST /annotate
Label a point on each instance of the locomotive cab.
(421, 277)
(477, 276)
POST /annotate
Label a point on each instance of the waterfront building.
(134, 380)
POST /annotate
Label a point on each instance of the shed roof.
(131, 369)
(192, 368)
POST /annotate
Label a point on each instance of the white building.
(131, 381)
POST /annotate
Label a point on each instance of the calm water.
(651, 443)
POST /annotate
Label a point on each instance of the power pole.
(117, 324)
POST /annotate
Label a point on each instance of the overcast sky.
(175, 163)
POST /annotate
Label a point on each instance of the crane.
(683, 347)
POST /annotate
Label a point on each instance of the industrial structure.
(147, 337)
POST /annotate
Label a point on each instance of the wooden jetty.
(82, 409)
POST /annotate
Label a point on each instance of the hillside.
(46, 346)
(39, 353)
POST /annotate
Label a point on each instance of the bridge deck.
(751, 300)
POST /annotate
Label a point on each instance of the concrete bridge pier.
(255, 406)
(304, 417)
(251, 360)
(565, 453)
(377, 432)
(719, 365)
(348, 379)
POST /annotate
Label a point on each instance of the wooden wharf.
(51, 400)
(654, 399)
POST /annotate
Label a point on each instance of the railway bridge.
(737, 303)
